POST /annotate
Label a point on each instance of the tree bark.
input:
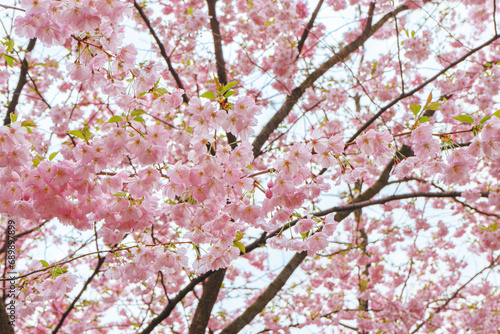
(5, 327)
(207, 301)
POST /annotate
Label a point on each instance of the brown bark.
(20, 84)
(5, 327)
(271, 291)
(207, 301)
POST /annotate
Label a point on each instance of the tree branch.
(173, 302)
(309, 26)
(219, 57)
(205, 305)
(162, 51)
(19, 235)
(297, 92)
(410, 93)
(363, 204)
(100, 262)
(251, 312)
(5, 327)
(20, 84)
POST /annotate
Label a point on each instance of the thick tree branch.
(219, 57)
(297, 92)
(309, 27)
(410, 93)
(363, 204)
(205, 305)
(20, 84)
(5, 327)
(162, 50)
(251, 312)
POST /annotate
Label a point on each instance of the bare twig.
(292, 99)
(162, 50)
(413, 91)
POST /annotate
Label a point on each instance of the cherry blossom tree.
(281, 166)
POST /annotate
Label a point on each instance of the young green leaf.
(433, 106)
(139, 119)
(137, 112)
(44, 263)
(240, 246)
(13, 118)
(9, 60)
(53, 155)
(484, 119)
(464, 118)
(76, 133)
(209, 95)
(424, 119)
(230, 93)
(115, 119)
(227, 87)
(10, 46)
(415, 108)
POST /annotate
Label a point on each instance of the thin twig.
(162, 51)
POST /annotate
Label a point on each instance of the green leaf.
(28, 123)
(497, 113)
(240, 246)
(44, 263)
(433, 106)
(239, 236)
(137, 112)
(139, 119)
(13, 118)
(209, 95)
(464, 118)
(35, 162)
(120, 194)
(415, 108)
(230, 93)
(86, 132)
(161, 91)
(484, 119)
(412, 34)
(76, 133)
(115, 119)
(10, 46)
(58, 271)
(9, 60)
(53, 155)
(228, 87)
(424, 119)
